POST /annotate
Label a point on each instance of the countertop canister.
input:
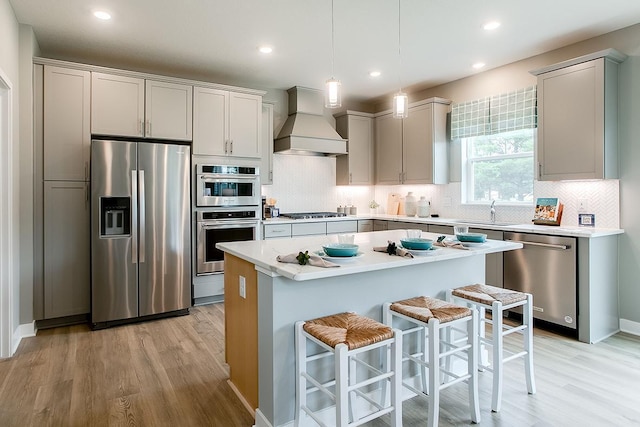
(423, 207)
(410, 204)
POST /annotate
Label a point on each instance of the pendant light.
(332, 96)
(400, 100)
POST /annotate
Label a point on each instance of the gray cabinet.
(380, 225)
(66, 249)
(357, 166)
(337, 227)
(135, 107)
(413, 150)
(365, 225)
(66, 147)
(577, 118)
(388, 152)
(227, 123)
(494, 264)
(402, 225)
(66, 124)
(266, 135)
(276, 231)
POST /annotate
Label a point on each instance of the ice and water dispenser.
(115, 215)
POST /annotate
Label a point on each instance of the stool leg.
(482, 331)
(434, 372)
(423, 340)
(527, 318)
(301, 367)
(387, 319)
(342, 372)
(352, 395)
(396, 379)
(496, 316)
(472, 359)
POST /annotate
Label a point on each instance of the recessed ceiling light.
(491, 25)
(375, 74)
(101, 14)
(478, 65)
(265, 49)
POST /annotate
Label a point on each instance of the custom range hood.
(306, 131)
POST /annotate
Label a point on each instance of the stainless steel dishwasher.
(546, 268)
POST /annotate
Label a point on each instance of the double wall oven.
(228, 208)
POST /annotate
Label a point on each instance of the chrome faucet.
(492, 212)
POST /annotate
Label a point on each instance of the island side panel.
(241, 327)
(283, 301)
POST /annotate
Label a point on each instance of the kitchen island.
(264, 298)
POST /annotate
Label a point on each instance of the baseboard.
(244, 402)
(630, 327)
(22, 331)
(261, 420)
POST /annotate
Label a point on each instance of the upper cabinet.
(266, 166)
(227, 123)
(128, 106)
(67, 137)
(413, 150)
(357, 166)
(577, 118)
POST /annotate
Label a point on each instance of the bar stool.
(427, 318)
(345, 336)
(485, 297)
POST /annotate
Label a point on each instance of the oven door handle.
(229, 177)
(235, 224)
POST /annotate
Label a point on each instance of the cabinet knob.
(231, 144)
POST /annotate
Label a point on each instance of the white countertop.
(263, 254)
(586, 232)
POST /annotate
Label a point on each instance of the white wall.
(9, 43)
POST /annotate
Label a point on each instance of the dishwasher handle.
(544, 245)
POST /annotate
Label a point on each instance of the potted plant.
(373, 206)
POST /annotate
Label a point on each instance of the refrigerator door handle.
(134, 216)
(142, 216)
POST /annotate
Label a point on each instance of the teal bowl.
(417, 244)
(340, 249)
(472, 237)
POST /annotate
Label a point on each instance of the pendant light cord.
(399, 54)
(333, 49)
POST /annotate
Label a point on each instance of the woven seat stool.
(498, 300)
(354, 342)
(426, 318)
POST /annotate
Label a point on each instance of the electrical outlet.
(583, 205)
(243, 287)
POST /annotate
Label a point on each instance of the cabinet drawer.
(274, 231)
(342, 227)
(380, 225)
(441, 229)
(365, 225)
(308, 228)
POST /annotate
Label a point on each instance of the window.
(497, 135)
(499, 167)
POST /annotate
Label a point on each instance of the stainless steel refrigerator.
(140, 230)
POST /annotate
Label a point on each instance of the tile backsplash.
(307, 183)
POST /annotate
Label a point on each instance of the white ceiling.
(217, 40)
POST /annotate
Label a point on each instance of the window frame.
(467, 178)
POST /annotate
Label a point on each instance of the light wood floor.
(171, 372)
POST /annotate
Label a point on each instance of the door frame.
(7, 225)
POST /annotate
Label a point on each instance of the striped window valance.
(499, 113)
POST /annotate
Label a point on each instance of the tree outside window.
(500, 167)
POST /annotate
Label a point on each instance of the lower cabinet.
(402, 225)
(342, 227)
(365, 225)
(67, 245)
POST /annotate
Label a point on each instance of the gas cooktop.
(307, 215)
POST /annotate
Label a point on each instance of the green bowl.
(417, 243)
(340, 249)
(472, 237)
